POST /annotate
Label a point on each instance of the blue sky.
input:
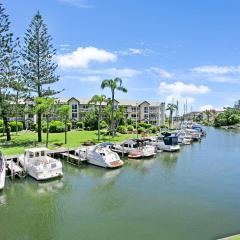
(163, 50)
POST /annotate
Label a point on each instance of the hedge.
(14, 126)
(122, 129)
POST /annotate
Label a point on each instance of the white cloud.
(77, 3)
(181, 99)
(87, 79)
(115, 72)
(159, 72)
(82, 57)
(214, 69)
(179, 88)
(206, 107)
(134, 51)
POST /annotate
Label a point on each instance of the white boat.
(2, 171)
(40, 166)
(196, 136)
(168, 143)
(100, 155)
(184, 138)
(135, 148)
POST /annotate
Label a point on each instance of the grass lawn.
(75, 138)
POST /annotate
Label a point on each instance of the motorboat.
(199, 129)
(184, 138)
(39, 165)
(100, 155)
(167, 142)
(2, 171)
(135, 148)
(196, 135)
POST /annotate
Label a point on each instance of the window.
(31, 154)
(145, 109)
(37, 154)
(134, 109)
(74, 110)
(145, 115)
(42, 153)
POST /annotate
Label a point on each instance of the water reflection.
(3, 199)
(143, 166)
(168, 163)
(50, 186)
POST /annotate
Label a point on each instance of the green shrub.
(122, 129)
(1, 123)
(153, 129)
(69, 126)
(103, 125)
(15, 126)
(56, 127)
(80, 124)
(130, 128)
(140, 130)
(1, 129)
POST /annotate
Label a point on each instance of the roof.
(36, 149)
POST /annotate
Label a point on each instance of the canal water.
(190, 195)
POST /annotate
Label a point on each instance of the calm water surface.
(193, 194)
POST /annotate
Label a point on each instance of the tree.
(113, 84)
(64, 112)
(98, 100)
(171, 108)
(208, 113)
(8, 67)
(38, 68)
(45, 106)
(20, 95)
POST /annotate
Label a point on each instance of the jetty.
(14, 168)
(235, 237)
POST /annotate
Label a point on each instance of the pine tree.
(38, 68)
(8, 67)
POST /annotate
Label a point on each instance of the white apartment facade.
(144, 111)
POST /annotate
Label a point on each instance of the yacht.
(196, 135)
(2, 171)
(100, 155)
(184, 138)
(39, 165)
(134, 148)
(168, 142)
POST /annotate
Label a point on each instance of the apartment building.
(150, 112)
(145, 111)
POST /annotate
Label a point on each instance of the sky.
(164, 50)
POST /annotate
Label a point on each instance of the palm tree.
(113, 84)
(171, 108)
(98, 100)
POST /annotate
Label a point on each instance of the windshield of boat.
(1, 163)
(170, 140)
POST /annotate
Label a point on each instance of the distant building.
(150, 112)
(145, 111)
(237, 104)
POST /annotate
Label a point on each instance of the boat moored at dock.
(135, 148)
(2, 171)
(39, 165)
(100, 155)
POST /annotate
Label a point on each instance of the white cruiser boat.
(184, 138)
(100, 155)
(40, 166)
(168, 143)
(135, 148)
(2, 171)
(196, 136)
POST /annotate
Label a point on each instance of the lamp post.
(137, 118)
